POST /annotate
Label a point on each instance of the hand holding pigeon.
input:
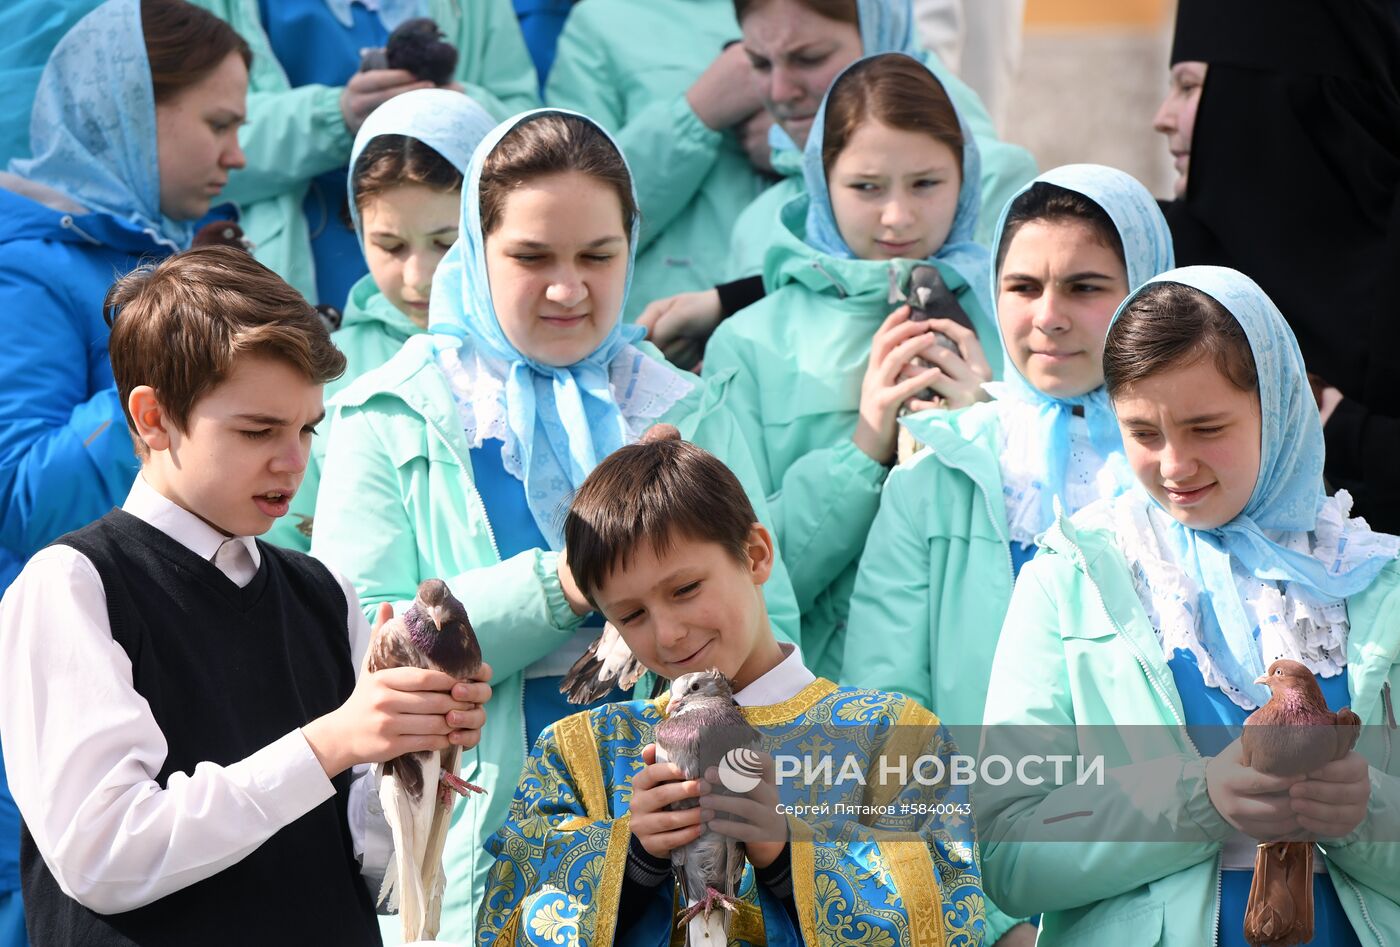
(417, 789)
(1294, 734)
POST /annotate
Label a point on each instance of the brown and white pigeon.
(1292, 734)
(704, 728)
(417, 790)
(607, 663)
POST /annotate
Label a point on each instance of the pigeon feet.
(707, 904)
(450, 783)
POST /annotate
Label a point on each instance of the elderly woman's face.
(1176, 118)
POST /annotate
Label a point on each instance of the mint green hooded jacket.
(293, 135)
(402, 508)
(798, 357)
(628, 65)
(371, 331)
(1078, 648)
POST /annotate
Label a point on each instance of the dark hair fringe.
(391, 160)
(1170, 325)
(842, 11)
(1050, 202)
(897, 90)
(547, 144)
(185, 43)
(182, 324)
(653, 493)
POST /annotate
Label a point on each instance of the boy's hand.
(397, 711)
(655, 787)
(474, 692)
(752, 818)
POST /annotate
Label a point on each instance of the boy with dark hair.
(663, 541)
(181, 708)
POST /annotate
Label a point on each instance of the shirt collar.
(149, 505)
(781, 683)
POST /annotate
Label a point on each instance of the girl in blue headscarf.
(404, 194)
(1166, 607)
(958, 520)
(797, 49)
(128, 151)
(457, 457)
(823, 366)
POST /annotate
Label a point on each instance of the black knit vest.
(226, 671)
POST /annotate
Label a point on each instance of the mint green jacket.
(628, 65)
(371, 331)
(293, 135)
(401, 507)
(935, 578)
(798, 357)
(1077, 648)
(1006, 168)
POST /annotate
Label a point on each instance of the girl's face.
(1176, 117)
(197, 139)
(557, 264)
(796, 55)
(1058, 291)
(894, 193)
(407, 230)
(1192, 438)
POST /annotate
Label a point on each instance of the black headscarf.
(1294, 173)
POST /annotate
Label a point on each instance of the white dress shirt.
(783, 682)
(82, 748)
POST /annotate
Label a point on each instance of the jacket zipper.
(1365, 914)
(987, 505)
(840, 287)
(1161, 693)
(471, 487)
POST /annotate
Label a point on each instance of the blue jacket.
(66, 456)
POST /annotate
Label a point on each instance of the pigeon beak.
(1262, 679)
(439, 616)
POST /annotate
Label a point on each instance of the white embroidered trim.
(1292, 623)
(643, 387)
(1087, 478)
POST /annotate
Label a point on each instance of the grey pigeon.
(704, 728)
(433, 632)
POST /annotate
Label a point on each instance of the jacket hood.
(30, 211)
(368, 306)
(790, 259)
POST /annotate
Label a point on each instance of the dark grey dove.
(434, 632)
(704, 727)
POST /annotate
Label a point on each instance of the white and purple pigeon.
(705, 728)
(417, 790)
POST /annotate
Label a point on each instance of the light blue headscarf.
(1147, 251)
(959, 251)
(886, 26)
(391, 12)
(564, 419)
(93, 128)
(1288, 493)
(448, 122)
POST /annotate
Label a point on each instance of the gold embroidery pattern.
(580, 752)
(915, 881)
